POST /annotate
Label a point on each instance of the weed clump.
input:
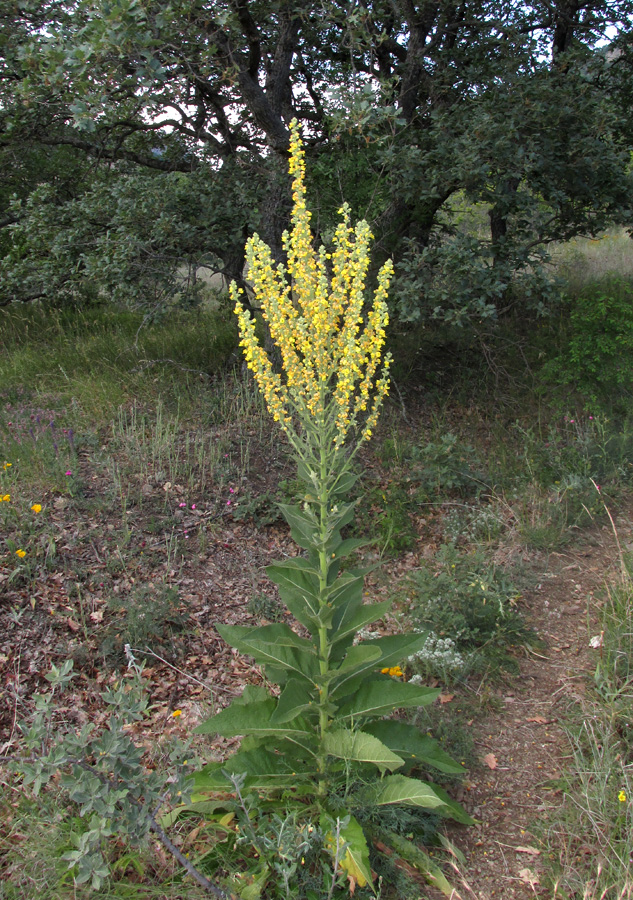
(470, 606)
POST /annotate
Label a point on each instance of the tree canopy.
(138, 134)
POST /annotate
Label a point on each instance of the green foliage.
(597, 346)
(260, 508)
(116, 165)
(469, 605)
(598, 788)
(98, 358)
(262, 606)
(138, 239)
(446, 466)
(386, 510)
(316, 749)
(150, 615)
(100, 770)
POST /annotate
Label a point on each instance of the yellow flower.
(36, 508)
(176, 713)
(21, 553)
(394, 671)
(7, 465)
(622, 796)
(6, 498)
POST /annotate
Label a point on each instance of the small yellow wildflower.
(37, 507)
(7, 466)
(622, 796)
(6, 498)
(176, 713)
(21, 553)
(394, 671)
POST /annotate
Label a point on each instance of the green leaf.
(277, 645)
(262, 768)
(357, 657)
(400, 790)
(253, 890)
(201, 807)
(344, 484)
(344, 548)
(422, 862)
(412, 745)
(391, 651)
(252, 693)
(298, 585)
(303, 527)
(360, 747)
(383, 695)
(296, 697)
(344, 625)
(251, 718)
(346, 590)
(355, 860)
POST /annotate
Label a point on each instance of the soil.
(522, 745)
(220, 567)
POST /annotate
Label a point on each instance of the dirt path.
(521, 744)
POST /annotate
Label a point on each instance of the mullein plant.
(321, 740)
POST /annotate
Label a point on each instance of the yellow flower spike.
(6, 498)
(21, 553)
(37, 508)
(176, 713)
(622, 796)
(330, 347)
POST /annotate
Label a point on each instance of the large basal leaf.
(356, 746)
(381, 696)
(297, 697)
(251, 718)
(412, 745)
(399, 790)
(392, 650)
(275, 645)
(244, 636)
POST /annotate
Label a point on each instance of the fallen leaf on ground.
(446, 698)
(74, 626)
(540, 720)
(490, 760)
(529, 877)
(531, 850)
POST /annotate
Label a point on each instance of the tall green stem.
(324, 650)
